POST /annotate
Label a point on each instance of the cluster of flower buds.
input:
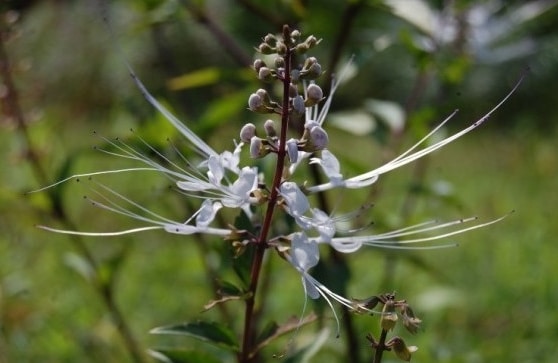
(303, 94)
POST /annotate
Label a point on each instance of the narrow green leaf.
(211, 332)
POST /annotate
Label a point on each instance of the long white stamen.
(408, 156)
(100, 234)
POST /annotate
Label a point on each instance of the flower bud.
(298, 105)
(308, 62)
(256, 147)
(295, 34)
(269, 127)
(311, 69)
(269, 39)
(311, 41)
(258, 63)
(318, 138)
(314, 71)
(314, 94)
(255, 102)
(266, 49)
(280, 62)
(264, 95)
(281, 49)
(247, 132)
(292, 150)
(265, 74)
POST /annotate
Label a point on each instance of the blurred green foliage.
(490, 300)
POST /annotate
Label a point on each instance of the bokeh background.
(64, 86)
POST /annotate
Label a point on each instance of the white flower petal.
(297, 202)
(216, 171)
(207, 213)
(305, 253)
(330, 165)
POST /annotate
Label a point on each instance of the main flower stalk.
(261, 244)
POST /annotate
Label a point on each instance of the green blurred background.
(490, 300)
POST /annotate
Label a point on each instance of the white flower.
(330, 164)
(209, 180)
(304, 255)
(203, 217)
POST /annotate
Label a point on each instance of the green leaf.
(227, 288)
(211, 332)
(182, 356)
(227, 292)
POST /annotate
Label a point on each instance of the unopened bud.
(311, 41)
(298, 105)
(314, 95)
(318, 138)
(280, 62)
(269, 39)
(309, 61)
(258, 63)
(269, 127)
(281, 49)
(314, 71)
(266, 49)
(292, 150)
(247, 132)
(295, 34)
(264, 95)
(311, 69)
(265, 74)
(255, 102)
(256, 147)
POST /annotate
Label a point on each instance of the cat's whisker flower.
(303, 255)
(221, 180)
(330, 165)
